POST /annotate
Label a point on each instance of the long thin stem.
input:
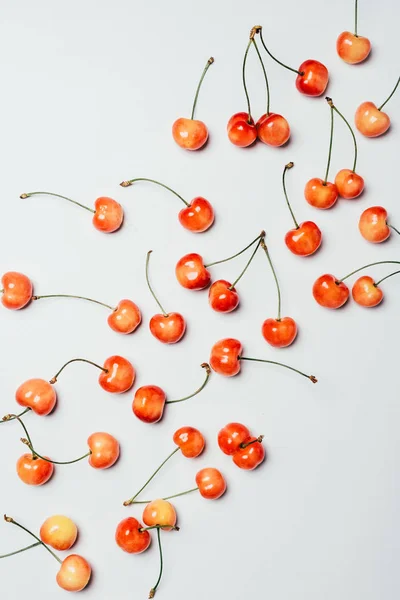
(288, 166)
(387, 277)
(244, 80)
(174, 527)
(328, 164)
(205, 366)
(218, 262)
(259, 30)
(149, 285)
(265, 75)
(273, 362)
(380, 262)
(209, 63)
(54, 462)
(356, 18)
(20, 550)
(387, 99)
(130, 501)
(264, 247)
(54, 379)
(246, 266)
(23, 196)
(11, 520)
(168, 497)
(29, 441)
(129, 182)
(330, 102)
(72, 296)
(394, 228)
(154, 588)
(11, 418)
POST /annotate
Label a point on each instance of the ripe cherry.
(33, 470)
(250, 454)
(104, 450)
(211, 483)
(131, 537)
(192, 134)
(16, 290)
(125, 318)
(351, 47)
(231, 437)
(197, 216)
(370, 120)
(273, 129)
(241, 129)
(37, 395)
(160, 512)
(108, 213)
(367, 292)
(74, 573)
(59, 532)
(373, 225)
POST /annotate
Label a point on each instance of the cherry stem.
(72, 296)
(259, 31)
(288, 166)
(205, 366)
(21, 550)
(394, 228)
(355, 17)
(387, 277)
(264, 247)
(149, 285)
(11, 520)
(29, 441)
(259, 439)
(218, 262)
(54, 379)
(174, 527)
(244, 80)
(168, 497)
(387, 99)
(12, 418)
(330, 102)
(130, 501)
(23, 196)
(209, 63)
(130, 181)
(231, 287)
(380, 262)
(273, 362)
(265, 75)
(328, 164)
(153, 589)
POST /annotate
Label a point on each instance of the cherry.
(273, 129)
(231, 437)
(160, 512)
(192, 134)
(125, 318)
(370, 120)
(131, 537)
(108, 213)
(16, 290)
(250, 454)
(149, 400)
(59, 532)
(351, 47)
(104, 450)
(33, 470)
(241, 129)
(366, 292)
(117, 373)
(74, 573)
(37, 395)
(373, 225)
(197, 216)
(168, 328)
(211, 483)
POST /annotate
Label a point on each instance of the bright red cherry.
(330, 292)
(118, 376)
(33, 470)
(38, 395)
(225, 357)
(366, 292)
(373, 224)
(349, 184)
(190, 441)
(74, 573)
(222, 296)
(279, 332)
(16, 290)
(231, 437)
(273, 129)
(241, 130)
(148, 403)
(130, 537)
(250, 454)
(320, 194)
(191, 272)
(160, 512)
(312, 78)
(211, 483)
(104, 450)
(125, 318)
(352, 48)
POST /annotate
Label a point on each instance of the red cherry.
(119, 375)
(168, 328)
(191, 272)
(305, 239)
(104, 450)
(198, 216)
(33, 470)
(373, 224)
(279, 332)
(225, 357)
(370, 120)
(329, 292)
(320, 194)
(125, 318)
(222, 296)
(130, 538)
(17, 290)
(273, 129)
(38, 395)
(312, 78)
(241, 130)
(109, 215)
(190, 441)
(366, 293)
(349, 185)
(148, 403)
(352, 48)
(250, 455)
(231, 437)
(211, 483)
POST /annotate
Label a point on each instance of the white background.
(90, 90)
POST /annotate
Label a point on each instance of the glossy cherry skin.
(190, 440)
(349, 184)
(129, 538)
(273, 129)
(191, 272)
(148, 403)
(314, 79)
(211, 483)
(105, 450)
(120, 375)
(190, 134)
(125, 318)
(370, 121)
(34, 471)
(222, 297)
(225, 357)
(319, 194)
(159, 512)
(168, 329)
(352, 48)
(373, 224)
(59, 532)
(304, 240)
(241, 130)
(37, 394)
(250, 457)
(279, 334)
(366, 293)
(198, 216)
(74, 573)
(231, 437)
(328, 292)
(17, 290)
(109, 215)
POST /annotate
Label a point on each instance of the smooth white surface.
(90, 91)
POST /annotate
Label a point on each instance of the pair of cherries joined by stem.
(331, 292)
(197, 216)
(370, 120)
(374, 226)
(247, 451)
(323, 194)
(351, 47)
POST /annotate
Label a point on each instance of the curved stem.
(387, 277)
(12, 418)
(29, 441)
(356, 18)
(273, 362)
(394, 228)
(23, 196)
(20, 550)
(218, 262)
(380, 262)
(264, 247)
(131, 181)
(328, 164)
(330, 102)
(174, 527)
(153, 589)
(288, 166)
(72, 296)
(205, 366)
(244, 80)
(11, 520)
(259, 30)
(247, 265)
(54, 379)
(265, 76)
(53, 462)
(168, 497)
(149, 285)
(130, 501)
(209, 63)
(393, 91)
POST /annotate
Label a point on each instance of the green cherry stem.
(231, 287)
(11, 520)
(149, 285)
(54, 379)
(356, 18)
(393, 91)
(130, 501)
(28, 441)
(72, 296)
(258, 29)
(380, 262)
(154, 588)
(264, 247)
(328, 164)
(394, 228)
(244, 80)
(273, 362)
(205, 366)
(218, 262)
(20, 550)
(23, 196)
(131, 181)
(330, 102)
(265, 74)
(208, 65)
(173, 527)
(288, 166)
(11, 418)
(168, 497)
(387, 277)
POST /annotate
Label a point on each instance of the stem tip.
(210, 60)
(23, 196)
(329, 101)
(206, 366)
(8, 519)
(6, 418)
(25, 441)
(53, 380)
(125, 183)
(289, 165)
(127, 502)
(152, 593)
(313, 379)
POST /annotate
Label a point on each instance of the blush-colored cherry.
(160, 512)
(192, 134)
(373, 225)
(74, 573)
(352, 48)
(104, 450)
(231, 437)
(59, 532)
(38, 395)
(191, 272)
(250, 453)
(241, 129)
(330, 292)
(33, 470)
(16, 290)
(366, 292)
(211, 483)
(273, 129)
(131, 537)
(125, 318)
(370, 120)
